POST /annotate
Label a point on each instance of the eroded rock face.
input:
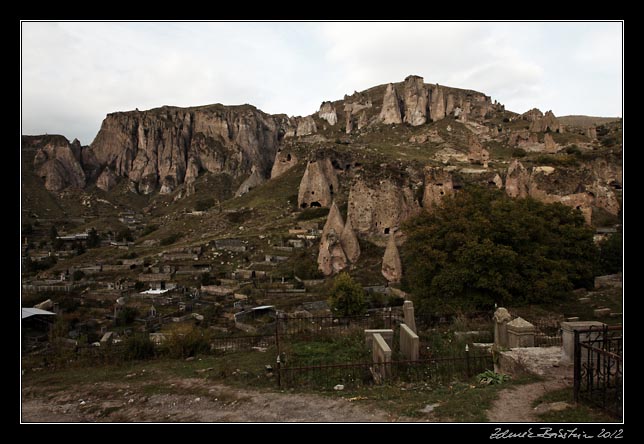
(157, 148)
(327, 112)
(391, 265)
(306, 126)
(438, 184)
(57, 161)
(438, 107)
(380, 208)
(284, 161)
(318, 185)
(349, 242)
(591, 132)
(550, 145)
(107, 180)
(477, 153)
(390, 113)
(331, 257)
(415, 98)
(253, 181)
(517, 180)
(546, 123)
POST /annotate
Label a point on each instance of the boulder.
(415, 99)
(390, 112)
(391, 265)
(327, 112)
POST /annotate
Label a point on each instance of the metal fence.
(598, 368)
(353, 375)
(548, 333)
(236, 343)
(303, 325)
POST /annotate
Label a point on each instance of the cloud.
(73, 74)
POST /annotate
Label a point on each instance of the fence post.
(467, 359)
(278, 364)
(577, 368)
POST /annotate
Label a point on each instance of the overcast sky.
(73, 73)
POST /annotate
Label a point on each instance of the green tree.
(347, 296)
(124, 234)
(610, 255)
(93, 239)
(482, 247)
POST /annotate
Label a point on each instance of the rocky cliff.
(161, 149)
(56, 161)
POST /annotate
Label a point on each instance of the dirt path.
(190, 400)
(515, 404)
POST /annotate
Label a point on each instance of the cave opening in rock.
(387, 230)
(331, 189)
(304, 205)
(316, 204)
(288, 157)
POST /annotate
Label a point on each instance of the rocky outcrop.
(107, 180)
(380, 208)
(284, 161)
(331, 257)
(498, 182)
(517, 180)
(306, 126)
(549, 142)
(546, 123)
(438, 107)
(390, 112)
(531, 115)
(477, 154)
(56, 161)
(155, 148)
(354, 106)
(438, 184)
(349, 242)
(253, 181)
(391, 265)
(415, 99)
(327, 112)
(591, 132)
(318, 185)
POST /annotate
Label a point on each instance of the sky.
(74, 73)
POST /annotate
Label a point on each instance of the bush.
(482, 247)
(573, 150)
(126, 316)
(78, 275)
(306, 267)
(93, 239)
(171, 239)
(313, 213)
(187, 342)
(138, 347)
(124, 235)
(610, 255)
(149, 229)
(347, 296)
(204, 204)
(519, 152)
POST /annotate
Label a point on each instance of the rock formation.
(591, 132)
(477, 153)
(438, 108)
(318, 185)
(549, 142)
(306, 126)
(390, 112)
(327, 112)
(438, 184)
(517, 180)
(349, 242)
(284, 161)
(379, 208)
(253, 181)
(391, 265)
(546, 123)
(415, 98)
(331, 257)
(57, 161)
(154, 148)
(107, 180)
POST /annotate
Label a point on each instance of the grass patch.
(576, 413)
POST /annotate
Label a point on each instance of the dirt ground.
(201, 401)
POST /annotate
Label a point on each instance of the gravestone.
(408, 312)
(409, 343)
(520, 333)
(568, 340)
(381, 353)
(501, 319)
(387, 335)
(601, 312)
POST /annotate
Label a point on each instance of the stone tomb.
(381, 358)
(501, 319)
(409, 343)
(569, 328)
(520, 333)
(408, 312)
(387, 335)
